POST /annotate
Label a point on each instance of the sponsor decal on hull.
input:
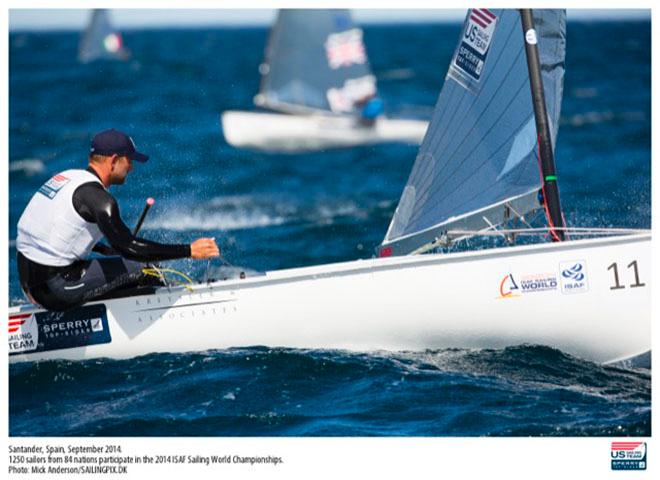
(23, 333)
(509, 287)
(573, 276)
(515, 285)
(45, 331)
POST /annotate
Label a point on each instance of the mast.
(547, 160)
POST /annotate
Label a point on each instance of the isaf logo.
(574, 276)
(574, 272)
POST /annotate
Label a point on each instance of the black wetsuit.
(61, 288)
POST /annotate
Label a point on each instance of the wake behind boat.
(315, 80)
(477, 173)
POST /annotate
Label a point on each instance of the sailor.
(371, 109)
(64, 221)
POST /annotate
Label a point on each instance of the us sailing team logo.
(45, 331)
(628, 455)
(54, 185)
(23, 333)
(473, 50)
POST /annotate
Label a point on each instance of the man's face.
(120, 168)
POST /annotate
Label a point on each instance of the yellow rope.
(159, 273)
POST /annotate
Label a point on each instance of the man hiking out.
(64, 221)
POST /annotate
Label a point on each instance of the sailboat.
(314, 79)
(486, 163)
(101, 41)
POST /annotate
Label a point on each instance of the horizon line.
(22, 20)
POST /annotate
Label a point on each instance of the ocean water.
(271, 211)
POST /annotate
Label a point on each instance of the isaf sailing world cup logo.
(509, 287)
(628, 455)
(512, 286)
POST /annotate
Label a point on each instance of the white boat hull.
(463, 300)
(299, 133)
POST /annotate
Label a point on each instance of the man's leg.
(95, 278)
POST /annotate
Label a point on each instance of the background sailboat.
(101, 41)
(315, 72)
(316, 61)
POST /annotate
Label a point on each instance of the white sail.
(479, 159)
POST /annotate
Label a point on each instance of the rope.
(160, 273)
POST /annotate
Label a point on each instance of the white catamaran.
(101, 41)
(493, 130)
(313, 78)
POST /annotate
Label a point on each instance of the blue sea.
(271, 211)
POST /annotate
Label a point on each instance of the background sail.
(315, 59)
(101, 40)
(479, 159)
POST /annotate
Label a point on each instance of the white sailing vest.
(50, 231)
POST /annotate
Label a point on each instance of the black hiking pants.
(62, 288)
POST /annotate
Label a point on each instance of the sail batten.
(467, 199)
(441, 187)
(315, 61)
(465, 98)
(469, 115)
(481, 151)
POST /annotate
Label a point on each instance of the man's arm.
(96, 205)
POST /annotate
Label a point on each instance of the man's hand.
(204, 248)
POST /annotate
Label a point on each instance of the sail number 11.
(615, 269)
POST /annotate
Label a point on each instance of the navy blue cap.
(110, 142)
